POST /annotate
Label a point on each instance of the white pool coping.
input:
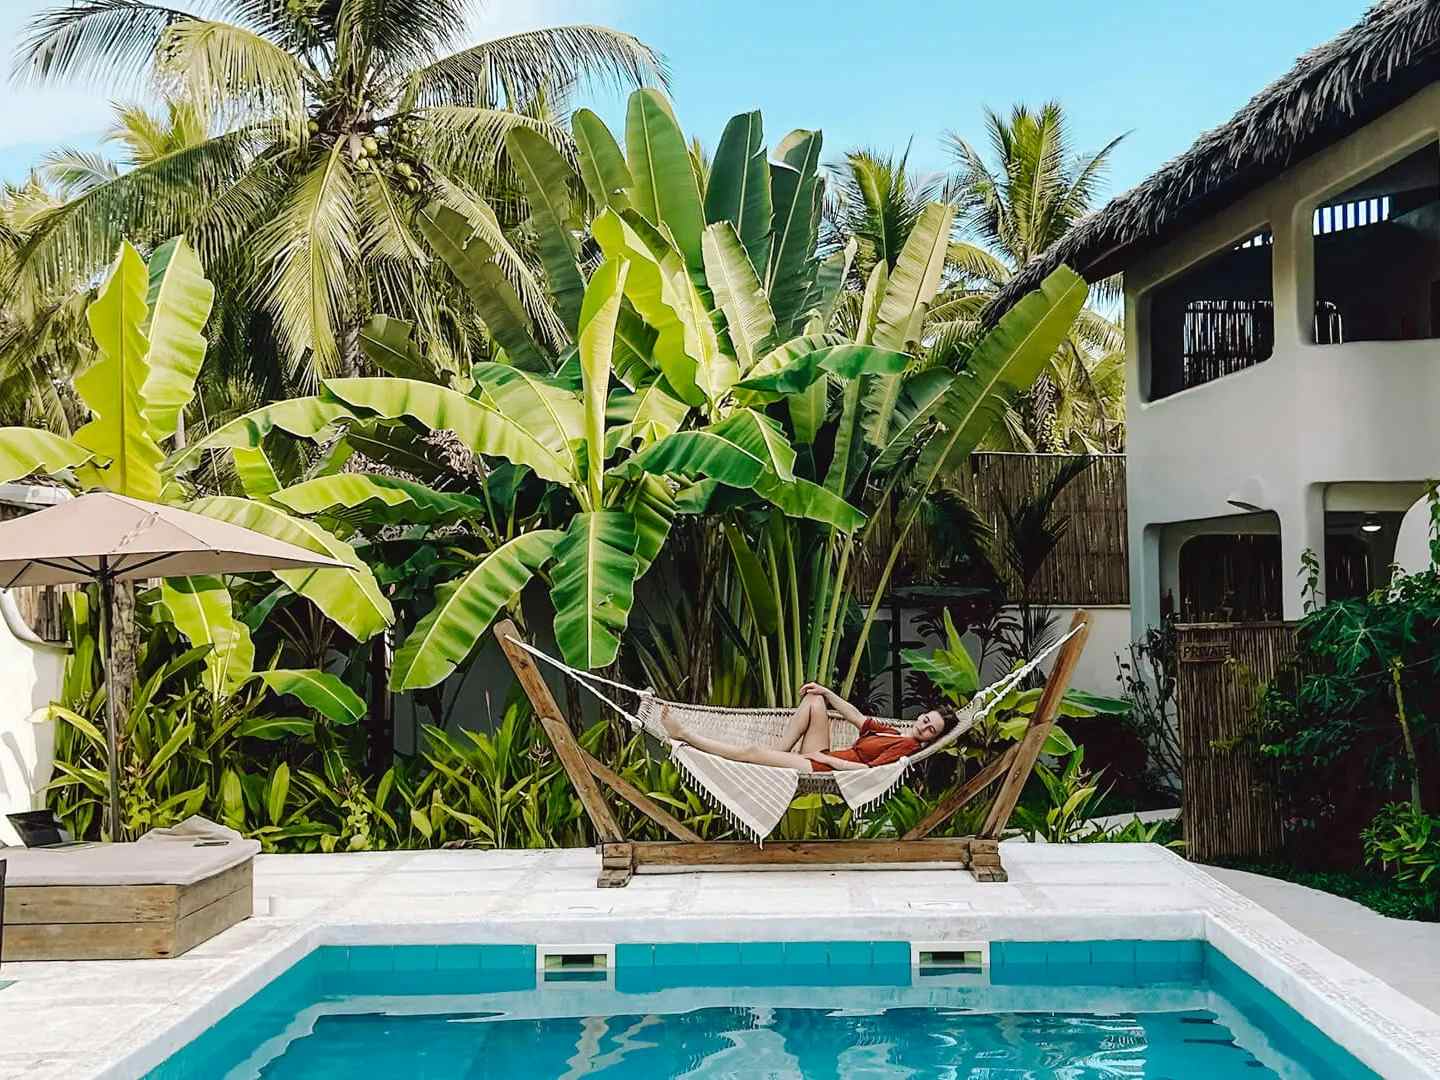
(118, 1019)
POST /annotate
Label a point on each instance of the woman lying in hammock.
(806, 743)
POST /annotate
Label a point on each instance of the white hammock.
(755, 797)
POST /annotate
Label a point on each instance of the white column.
(1302, 528)
(1144, 577)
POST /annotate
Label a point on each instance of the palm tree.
(297, 140)
(1035, 189)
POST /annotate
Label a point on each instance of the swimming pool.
(874, 1009)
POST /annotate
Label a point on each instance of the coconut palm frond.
(107, 41)
(235, 74)
(74, 172)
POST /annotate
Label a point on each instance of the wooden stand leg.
(985, 861)
(617, 865)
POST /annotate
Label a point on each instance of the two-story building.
(1282, 311)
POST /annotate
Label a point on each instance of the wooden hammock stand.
(622, 859)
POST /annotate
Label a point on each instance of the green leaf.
(1096, 703)
(658, 284)
(665, 190)
(464, 609)
(694, 454)
(114, 386)
(472, 261)
(277, 793)
(351, 598)
(920, 395)
(201, 610)
(482, 429)
(808, 410)
(597, 343)
(302, 417)
(739, 187)
(760, 437)
(755, 580)
(645, 416)
(593, 586)
(390, 345)
(602, 166)
(901, 314)
(1006, 362)
(795, 191)
(380, 499)
(654, 510)
(275, 728)
(257, 476)
(802, 499)
(74, 719)
(748, 318)
(178, 738)
(323, 692)
(552, 413)
(178, 303)
(844, 361)
(547, 178)
(27, 450)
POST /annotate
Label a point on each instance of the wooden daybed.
(145, 900)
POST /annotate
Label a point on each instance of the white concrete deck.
(118, 1019)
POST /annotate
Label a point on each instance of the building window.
(1230, 578)
(1377, 256)
(1215, 319)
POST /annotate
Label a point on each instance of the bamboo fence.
(1230, 807)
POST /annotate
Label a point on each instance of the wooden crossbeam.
(639, 800)
(714, 854)
(949, 806)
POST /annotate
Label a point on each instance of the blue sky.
(879, 74)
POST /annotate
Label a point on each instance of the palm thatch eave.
(1332, 91)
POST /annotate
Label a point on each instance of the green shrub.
(1405, 841)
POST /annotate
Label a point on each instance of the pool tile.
(507, 957)
(717, 954)
(415, 958)
(807, 953)
(458, 957)
(890, 952)
(676, 954)
(372, 958)
(762, 953)
(634, 956)
(849, 953)
(1067, 954)
(332, 958)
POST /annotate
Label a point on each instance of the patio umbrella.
(107, 538)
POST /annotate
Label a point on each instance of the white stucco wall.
(30, 673)
(1311, 415)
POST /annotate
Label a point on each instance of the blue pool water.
(1095, 1010)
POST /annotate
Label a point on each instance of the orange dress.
(877, 744)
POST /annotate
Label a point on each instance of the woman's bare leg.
(809, 727)
(755, 755)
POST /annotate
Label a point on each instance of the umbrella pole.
(112, 739)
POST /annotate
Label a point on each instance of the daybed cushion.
(171, 861)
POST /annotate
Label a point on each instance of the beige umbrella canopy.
(107, 538)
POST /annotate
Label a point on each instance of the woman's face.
(928, 726)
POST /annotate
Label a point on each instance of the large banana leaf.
(379, 499)
(686, 349)
(350, 598)
(846, 361)
(472, 261)
(482, 429)
(748, 318)
(547, 178)
(694, 455)
(920, 395)
(464, 608)
(320, 690)
(1007, 362)
(785, 354)
(646, 416)
(597, 346)
(593, 586)
(795, 191)
(200, 608)
(665, 189)
(27, 450)
(551, 413)
(114, 386)
(390, 344)
(654, 510)
(808, 410)
(257, 475)
(602, 165)
(634, 347)
(739, 186)
(303, 417)
(800, 498)
(908, 292)
(178, 304)
(760, 437)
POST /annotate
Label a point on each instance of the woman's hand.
(816, 688)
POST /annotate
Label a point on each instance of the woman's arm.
(836, 703)
(840, 764)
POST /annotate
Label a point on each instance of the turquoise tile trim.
(717, 954)
(676, 954)
(507, 957)
(849, 953)
(760, 953)
(634, 956)
(809, 953)
(372, 958)
(459, 957)
(415, 958)
(890, 952)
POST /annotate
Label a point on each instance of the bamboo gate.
(1230, 808)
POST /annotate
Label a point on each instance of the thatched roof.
(1333, 90)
